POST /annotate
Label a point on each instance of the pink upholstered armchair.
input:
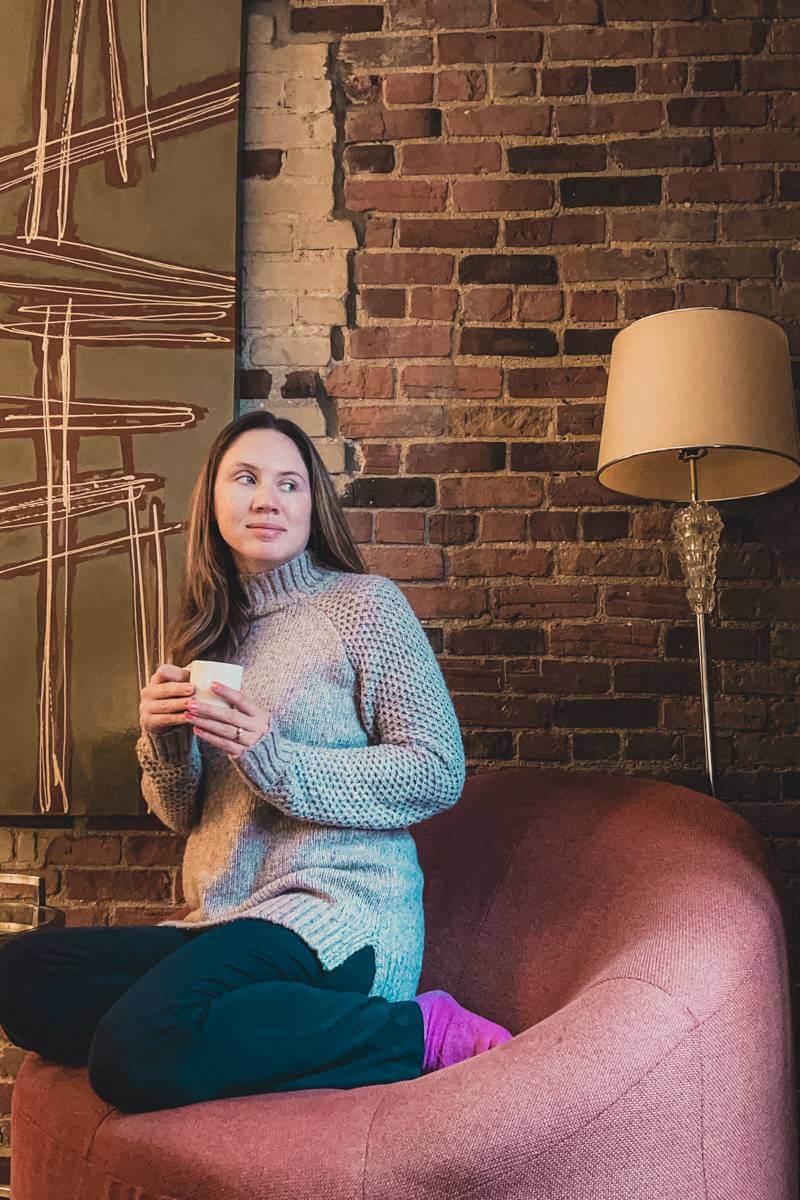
(626, 931)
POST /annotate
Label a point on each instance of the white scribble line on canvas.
(66, 122)
(117, 93)
(187, 276)
(94, 147)
(34, 208)
(144, 41)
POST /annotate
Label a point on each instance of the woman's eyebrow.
(251, 467)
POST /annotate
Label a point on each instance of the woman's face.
(262, 480)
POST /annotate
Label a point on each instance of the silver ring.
(238, 732)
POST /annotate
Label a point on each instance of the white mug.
(203, 672)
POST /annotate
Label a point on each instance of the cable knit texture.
(309, 826)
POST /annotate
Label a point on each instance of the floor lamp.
(700, 406)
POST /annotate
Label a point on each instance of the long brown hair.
(212, 619)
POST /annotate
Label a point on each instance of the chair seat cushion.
(287, 1144)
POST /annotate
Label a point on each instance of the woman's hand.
(163, 702)
(218, 727)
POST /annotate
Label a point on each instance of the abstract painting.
(119, 132)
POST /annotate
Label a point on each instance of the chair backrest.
(540, 883)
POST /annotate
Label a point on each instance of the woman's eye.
(247, 475)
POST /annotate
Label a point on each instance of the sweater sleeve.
(171, 773)
(416, 766)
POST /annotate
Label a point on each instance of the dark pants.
(165, 1016)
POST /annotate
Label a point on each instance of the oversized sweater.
(309, 826)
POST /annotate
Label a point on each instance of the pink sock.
(453, 1033)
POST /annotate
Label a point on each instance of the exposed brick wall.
(449, 210)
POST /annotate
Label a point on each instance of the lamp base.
(697, 531)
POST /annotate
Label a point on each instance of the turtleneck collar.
(267, 591)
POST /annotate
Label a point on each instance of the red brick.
(451, 457)
(472, 675)
(720, 187)
(609, 560)
(439, 14)
(644, 301)
(461, 85)
(452, 381)
(388, 51)
(562, 382)
(495, 560)
(381, 458)
(498, 120)
(566, 229)
(431, 602)
(552, 526)
(556, 677)
(564, 81)
(643, 600)
(503, 526)
(502, 195)
(729, 262)
(739, 225)
(434, 304)
(419, 562)
(489, 47)
(519, 13)
(718, 111)
(580, 420)
(711, 37)
(594, 265)
(599, 45)
(417, 341)
(337, 18)
(543, 747)
(615, 641)
(406, 527)
(383, 302)
(95, 850)
(457, 158)
(544, 600)
(625, 116)
(404, 268)
(760, 145)
(662, 226)
(593, 306)
(505, 492)
(501, 711)
(376, 124)
(661, 78)
(544, 304)
(350, 381)
(579, 490)
(666, 10)
(359, 522)
(494, 420)
(122, 884)
(395, 195)
(447, 232)
(452, 528)
(637, 153)
(786, 36)
(154, 850)
(391, 420)
(488, 304)
(409, 89)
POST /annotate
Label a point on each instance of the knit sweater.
(308, 827)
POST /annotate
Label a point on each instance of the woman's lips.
(267, 533)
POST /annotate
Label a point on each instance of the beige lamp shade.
(715, 378)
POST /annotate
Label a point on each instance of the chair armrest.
(486, 1127)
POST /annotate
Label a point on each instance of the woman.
(297, 964)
